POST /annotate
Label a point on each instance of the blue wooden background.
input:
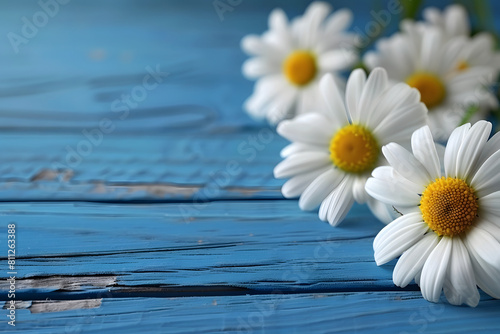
(161, 214)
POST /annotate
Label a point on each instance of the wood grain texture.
(143, 195)
(261, 246)
(359, 312)
(212, 164)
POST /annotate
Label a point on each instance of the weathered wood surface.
(358, 312)
(162, 215)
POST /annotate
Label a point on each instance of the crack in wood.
(131, 251)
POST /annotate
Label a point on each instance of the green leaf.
(469, 112)
(410, 8)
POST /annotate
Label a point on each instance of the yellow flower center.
(462, 65)
(449, 206)
(354, 149)
(431, 88)
(300, 67)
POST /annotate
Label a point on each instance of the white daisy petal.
(301, 163)
(267, 90)
(320, 188)
(312, 129)
(384, 212)
(256, 67)
(256, 46)
(487, 178)
(434, 270)
(315, 14)
(337, 60)
(490, 227)
(412, 261)
(461, 276)
(405, 163)
(469, 152)
(398, 236)
(336, 206)
(456, 20)
(432, 15)
(391, 191)
(401, 184)
(278, 25)
(333, 99)
(429, 50)
(281, 106)
(390, 129)
(358, 189)
(491, 147)
(399, 243)
(300, 147)
(491, 204)
(485, 256)
(452, 148)
(375, 85)
(278, 20)
(338, 21)
(310, 101)
(297, 184)
(406, 96)
(424, 150)
(354, 89)
(252, 45)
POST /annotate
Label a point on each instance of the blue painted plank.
(70, 78)
(363, 312)
(210, 164)
(262, 246)
(92, 52)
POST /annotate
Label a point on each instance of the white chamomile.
(290, 58)
(453, 20)
(449, 234)
(333, 153)
(453, 74)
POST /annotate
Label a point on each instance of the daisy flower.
(448, 235)
(475, 51)
(453, 20)
(333, 153)
(452, 74)
(290, 57)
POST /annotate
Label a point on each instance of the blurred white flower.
(290, 58)
(475, 51)
(453, 74)
(453, 20)
(449, 234)
(333, 153)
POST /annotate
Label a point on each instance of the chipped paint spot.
(98, 54)
(155, 189)
(50, 175)
(252, 191)
(20, 304)
(49, 306)
(68, 283)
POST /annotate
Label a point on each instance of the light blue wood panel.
(361, 312)
(262, 246)
(197, 164)
(70, 78)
